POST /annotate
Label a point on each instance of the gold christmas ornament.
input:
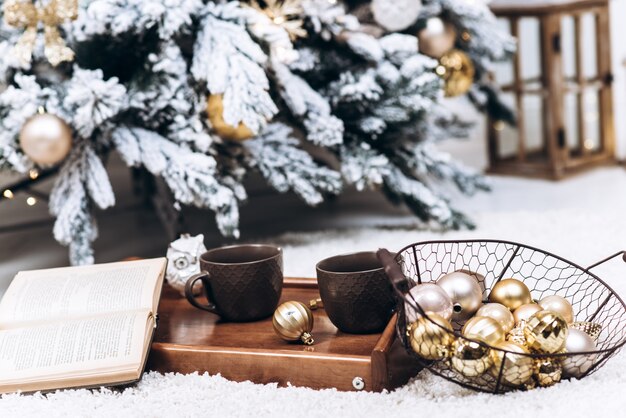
(470, 358)
(288, 14)
(431, 298)
(215, 110)
(293, 321)
(431, 337)
(465, 293)
(546, 332)
(592, 329)
(516, 335)
(498, 312)
(437, 38)
(511, 293)
(578, 342)
(560, 305)
(514, 367)
(26, 15)
(457, 70)
(525, 311)
(548, 371)
(485, 329)
(46, 139)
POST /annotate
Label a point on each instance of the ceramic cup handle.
(192, 299)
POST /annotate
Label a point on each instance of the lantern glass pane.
(591, 116)
(503, 70)
(568, 47)
(589, 45)
(530, 51)
(508, 136)
(533, 123)
(571, 121)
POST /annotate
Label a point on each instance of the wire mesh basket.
(596, 306)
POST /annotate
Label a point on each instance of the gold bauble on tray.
(465, 293)
(215, 112)
(560, 305)
(511, 293)
(436, 38)
(548, 371)
(525, 311)
(514, 367)
(498, 312)
(457, 70)
(485, 329)
(470, 358)
(432, 337)
(293, 321)
(46, 139)
(546, 332)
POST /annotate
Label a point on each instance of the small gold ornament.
(513, 365)
(548, 371)
(525, 311)
(457, 70)
(546, 332)
(465, 293)
(559, 305)
(516, 335)
(592, 329)
(437, 38)
(26, 15)
(431, 337)
(470, 358)
(500, 313)
(578, 342)
(293, 321)
(215, 110)
(512, 293)
(288, 14)
(485, 329)
(46, 139)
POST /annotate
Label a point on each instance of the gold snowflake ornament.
(284, 13)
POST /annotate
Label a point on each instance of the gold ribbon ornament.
(25, 14)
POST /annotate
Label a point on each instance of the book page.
(74, 348)
(71, 292)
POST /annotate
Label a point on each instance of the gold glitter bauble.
(500, 313)
(548, 371)
(431, 337)
(525, 311)
(592, 329)
(512, 293)
(293, 321)
(560, 305)
(514, 368)
(546, 332)
(485, 329)
(437, 38)
(470, 358)
(457, 70)
(215, 111)
(46, 139)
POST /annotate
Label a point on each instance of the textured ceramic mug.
(356, 292)
(241, 282)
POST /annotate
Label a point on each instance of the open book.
(78, 326)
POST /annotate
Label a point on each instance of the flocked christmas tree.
(201, 93)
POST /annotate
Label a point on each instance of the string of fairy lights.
(10, 192)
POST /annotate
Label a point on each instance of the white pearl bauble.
(578, 341)
(46, 139)
(431, 298)
(465, 293)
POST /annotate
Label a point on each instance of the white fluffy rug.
(583, 220)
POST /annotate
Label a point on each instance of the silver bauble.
(465, 293)
(431, 298)
(577, 342)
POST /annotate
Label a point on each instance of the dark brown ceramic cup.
(241, 283)
(356, 292)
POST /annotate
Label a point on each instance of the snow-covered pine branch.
(232, 64)
(82, 182)
(363, 167)
(191, 176)
(274, 153)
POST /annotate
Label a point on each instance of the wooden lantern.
(559, 84)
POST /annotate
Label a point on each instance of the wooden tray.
(189, 340)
